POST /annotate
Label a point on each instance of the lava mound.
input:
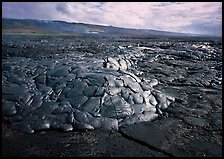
(71, 94)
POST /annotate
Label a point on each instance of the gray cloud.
(23, 10)
(204, 28)
(63, 8)
(192, 17)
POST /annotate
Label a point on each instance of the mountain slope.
(29, 26)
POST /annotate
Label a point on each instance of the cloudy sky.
(187, 17)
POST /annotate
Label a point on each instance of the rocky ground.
(190, 71)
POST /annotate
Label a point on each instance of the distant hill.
(46, 27)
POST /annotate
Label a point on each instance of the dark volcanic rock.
(80, 83)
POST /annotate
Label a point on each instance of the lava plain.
(187, 69)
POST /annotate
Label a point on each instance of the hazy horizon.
(183, 17)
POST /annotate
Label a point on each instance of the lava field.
(95, 96)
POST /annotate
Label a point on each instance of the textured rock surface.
(68, 94)
(189, 70)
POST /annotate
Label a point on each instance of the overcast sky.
(187, 17)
